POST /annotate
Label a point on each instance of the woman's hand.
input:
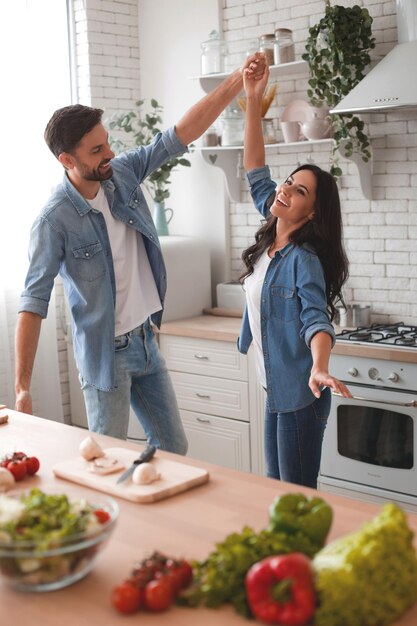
(255, 74)
(323, 378)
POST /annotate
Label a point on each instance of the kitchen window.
(36, 80)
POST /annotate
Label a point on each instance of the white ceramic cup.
(291, 131)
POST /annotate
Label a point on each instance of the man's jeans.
(293, 441)
(142, 381)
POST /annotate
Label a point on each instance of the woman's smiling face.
(295, 199)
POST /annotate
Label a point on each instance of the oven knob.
(393, 377)
(373, 374)
(353, 371)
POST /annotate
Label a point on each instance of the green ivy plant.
(337, 51)
(141, 128)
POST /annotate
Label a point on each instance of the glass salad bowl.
(49, 541)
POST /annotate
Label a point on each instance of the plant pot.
(160, 218)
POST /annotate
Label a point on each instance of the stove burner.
(405, 341)
(394, 334)
(360, 335)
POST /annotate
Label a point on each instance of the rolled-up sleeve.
(45, 255)
(311, 289)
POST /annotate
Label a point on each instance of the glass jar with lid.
(266, 45)
(283, 46)
(268, 130)
(233, 127)
(213, 54)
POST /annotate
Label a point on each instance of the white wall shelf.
(230, 158)
(285, 70)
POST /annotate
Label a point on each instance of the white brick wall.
(107, 53)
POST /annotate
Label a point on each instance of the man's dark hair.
(68, 126)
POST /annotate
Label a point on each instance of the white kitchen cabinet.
(210, 379)
(217, 440)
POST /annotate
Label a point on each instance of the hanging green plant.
(141, 128)
(337, 52)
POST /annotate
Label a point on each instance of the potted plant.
(337, 52)
(141, 128)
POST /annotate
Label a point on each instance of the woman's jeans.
(293, 441)
(143, 382)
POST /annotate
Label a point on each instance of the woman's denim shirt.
(70, 238)
(293, 310)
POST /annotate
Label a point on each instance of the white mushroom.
(6, 479)
(106, 465)
(90, 449)
(144, 474)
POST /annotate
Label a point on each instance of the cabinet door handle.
(201, 357)
(204, 420)
(202, 395)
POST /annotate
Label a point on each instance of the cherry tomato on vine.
(159, 594)
(18, 469)
(32, 465)
(185, 572)
(126, 598)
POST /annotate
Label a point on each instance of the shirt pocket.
(284, 302)
(89, 261)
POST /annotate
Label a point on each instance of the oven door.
(370, 439)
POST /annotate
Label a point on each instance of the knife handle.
(146, 455)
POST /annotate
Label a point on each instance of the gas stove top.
(400, 335)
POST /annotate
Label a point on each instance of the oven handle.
(413, 403)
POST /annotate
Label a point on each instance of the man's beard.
(95, 174)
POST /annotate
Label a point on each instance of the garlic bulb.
(144, 474)
(6, 479)
(90, 449)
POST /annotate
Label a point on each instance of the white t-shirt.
(253, 288)
(136, 293)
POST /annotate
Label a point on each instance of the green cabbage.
(368, 578)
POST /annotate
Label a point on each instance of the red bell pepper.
(280, 589)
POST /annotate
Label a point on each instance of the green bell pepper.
(296, 513)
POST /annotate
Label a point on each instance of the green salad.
(45, 538)
(44, 519)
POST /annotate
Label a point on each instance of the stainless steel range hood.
(391, 84)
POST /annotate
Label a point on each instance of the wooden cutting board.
(174, 477)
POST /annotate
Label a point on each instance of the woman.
(294, 274)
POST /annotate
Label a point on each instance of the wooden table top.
(185, 525)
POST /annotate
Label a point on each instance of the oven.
(370, 443)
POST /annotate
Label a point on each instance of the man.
(97, 233)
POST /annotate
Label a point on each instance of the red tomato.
(32, 465)
(126, 598)
(173, 575)
(102, 516)
(18, 469)
(159, 594)
(185, 573)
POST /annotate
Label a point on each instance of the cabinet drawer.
(215, 396)
(217, 440)
(203, 356)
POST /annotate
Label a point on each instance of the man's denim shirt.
(70, 238)
(293, 310)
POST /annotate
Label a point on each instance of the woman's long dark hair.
(323, 233)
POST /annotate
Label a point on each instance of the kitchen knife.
(145, 456)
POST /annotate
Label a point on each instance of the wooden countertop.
(227, 329)
(187, 525)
